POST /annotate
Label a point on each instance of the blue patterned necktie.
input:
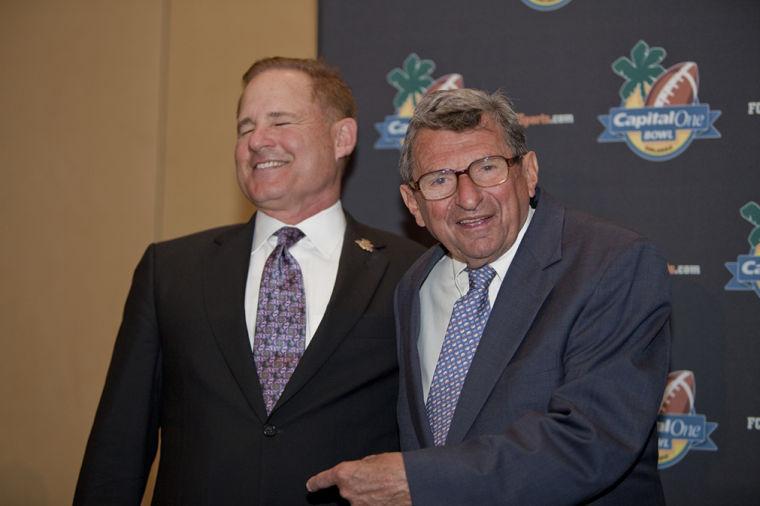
(279, 338)
(468, 319)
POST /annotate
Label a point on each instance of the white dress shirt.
(447, 282)
(318, 255)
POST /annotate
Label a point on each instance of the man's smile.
(475, 221)
(269, 164)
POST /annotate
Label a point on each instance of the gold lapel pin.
(365, 244)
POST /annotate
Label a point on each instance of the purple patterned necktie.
(279, 338)
(468, 319)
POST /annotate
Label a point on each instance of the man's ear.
(530, 171)
(344, 137)
(407, 194)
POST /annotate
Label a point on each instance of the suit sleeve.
(599, 418)
(123, 440)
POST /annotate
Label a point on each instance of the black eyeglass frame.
(415, 184)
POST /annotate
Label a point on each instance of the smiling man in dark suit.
(264, 352)
(533, 341)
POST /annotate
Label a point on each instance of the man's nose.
(260, 138)
(468, 194)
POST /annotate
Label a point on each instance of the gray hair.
(461, 110)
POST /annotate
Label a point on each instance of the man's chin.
(267, 199)
(476, 255)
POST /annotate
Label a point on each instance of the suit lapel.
(523, 291)
(225, 274)
(409, 332)
(359, 274)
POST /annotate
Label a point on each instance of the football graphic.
(679, 85)
(679, 393)
(447, 82)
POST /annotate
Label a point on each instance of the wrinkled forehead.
(436, 149)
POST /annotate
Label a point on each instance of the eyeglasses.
(485, 172)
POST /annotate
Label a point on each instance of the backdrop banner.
(646, 113)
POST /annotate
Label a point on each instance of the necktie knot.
(481, 277)
(288, 236)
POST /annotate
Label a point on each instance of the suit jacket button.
(270, 430)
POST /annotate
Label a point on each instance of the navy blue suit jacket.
(560, 402)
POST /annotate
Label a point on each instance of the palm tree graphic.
(642, 68)
(751, 212)
(411, 80)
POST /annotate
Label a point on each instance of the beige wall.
(117, 129)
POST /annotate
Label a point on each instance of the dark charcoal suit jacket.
(183, 367)
(560, 401)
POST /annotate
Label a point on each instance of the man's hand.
(377, 479)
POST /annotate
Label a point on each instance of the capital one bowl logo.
(746, 269)
(546, 5)
(412, 80)
(660, 113)
(680, 428)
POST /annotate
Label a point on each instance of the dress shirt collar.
(500, 265)
(324, 230)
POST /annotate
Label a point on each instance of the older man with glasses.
(533, 340)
